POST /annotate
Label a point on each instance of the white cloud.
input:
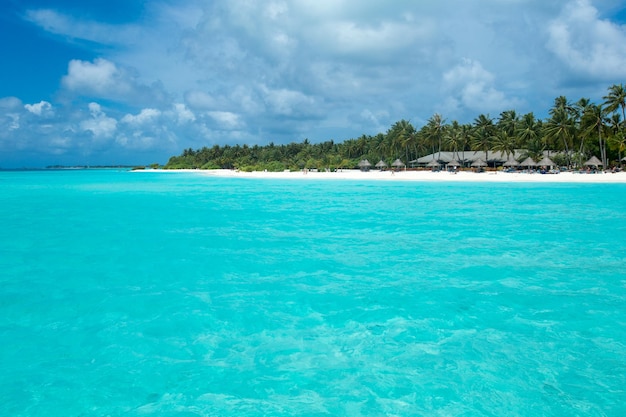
(9, 115)
(471, 86)
(586, 43)
(99, 77)
(200, 100)
(69, 26)
(182, 114)
(99, 124)
(287, 102)
(103, 79)
(10, 103)
(145, 116)
(226, 119)
(194, 72)
(43, 108)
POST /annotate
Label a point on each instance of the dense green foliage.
(580, 129)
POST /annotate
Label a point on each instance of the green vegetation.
(578, 129)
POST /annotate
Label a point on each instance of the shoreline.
(429, 176)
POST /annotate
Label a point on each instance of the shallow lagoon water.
(179, 294)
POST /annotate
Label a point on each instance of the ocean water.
(130, 294)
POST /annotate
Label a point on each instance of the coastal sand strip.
(462, 176)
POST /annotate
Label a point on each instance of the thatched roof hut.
(546, 162)
(397, 163)
(365, 165)
(528, 162)
(593, 162)
(479, 163)
(511, 162)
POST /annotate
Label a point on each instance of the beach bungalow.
(593, 162)
(467, 158)
(397, 164)
(546, 162)
(365, 165)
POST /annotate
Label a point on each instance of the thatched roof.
(479, 163)
(454, 163)
(546, 162)
(593, 161)
(433, 163)
(397, 163)
(381, 164)
(364, 163)
(528, 162)
(511, 163)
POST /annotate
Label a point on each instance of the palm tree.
(616, 99)
(579, 109)
(504, 142)
(617, 138)
(620, 143)
(534, 149)
(361, 146)
(410, 144)
(594, 120)
(421, 143)
(528, 129)
(508, 122)
(465, 135)
(406, 137)
(453, 139)
(560, 127)
(383, 148)
(482, 134)
(434, 130)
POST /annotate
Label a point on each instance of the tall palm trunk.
(602, 147)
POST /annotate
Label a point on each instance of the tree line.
(577, 130)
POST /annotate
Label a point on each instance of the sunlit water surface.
(128, 294)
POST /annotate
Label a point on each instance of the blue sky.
(137, 81)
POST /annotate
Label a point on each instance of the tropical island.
(574, 133)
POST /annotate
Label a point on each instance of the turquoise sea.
(177, 294)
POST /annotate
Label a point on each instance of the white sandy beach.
(462, 176)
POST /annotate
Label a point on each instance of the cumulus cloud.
(99, 124)
(10, 103)
(43, 108)
(200, 100)
(472, 87)
(103, 79)
(100, 77)
(69, 26)
(587, 44)
(145, 116)
(226, 119)
(194, 73)
(182, 114)
(288, 102)
(9, 115)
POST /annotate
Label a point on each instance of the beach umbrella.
(397, 163)
(528, 162)
(593, 162)
(364, 164)
(479, 163)
(454, 163)
(511, 163)
(381, 164)
(546, 162)
(433, 163)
